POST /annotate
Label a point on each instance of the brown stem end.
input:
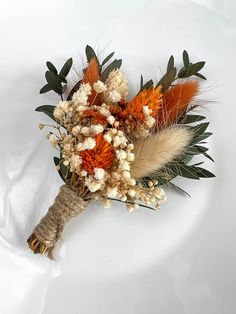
(38, 247)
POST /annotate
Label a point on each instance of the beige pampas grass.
(156, 151)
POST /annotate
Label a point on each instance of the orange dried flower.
(95, 116)
(175, 101)
(92, 75)
(101, 156)
(152, 98)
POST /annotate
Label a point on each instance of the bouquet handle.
(46, 234)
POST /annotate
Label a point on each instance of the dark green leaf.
(201, 149)
(90, 54)
(170, 64)
(167, 79)
(64, 170)
(66, 68)
(199, 163)
(46, 88)
(108, 58)
(141, 83)
(62, 79)
(51, 67)
(196, 150)
(185, 59)
(203, 173)
(74, 89)
(200, 76)
(200, 128)
(54, 82)
(147, 85)
(191, 119)
(192, 69)
(116, 64)
(188, 171)
(47, 109)
(208, 156)
(57, 162)
(201, 137)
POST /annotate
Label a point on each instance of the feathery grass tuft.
(159, 149)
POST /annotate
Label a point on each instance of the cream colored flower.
(106, 203)
(99, 87)
(53, 140)
(99, 173)
(111, 120)
(116, 81)
(89, 143)
(81, 96)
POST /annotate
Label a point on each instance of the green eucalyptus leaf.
(47, 109)
(170, 64)
(51, 67)
(200, 76)
(192, 69)
(66, 68)
(208, 156)
(185, 59)
(90, 54)
(108, 58)
(46, 88)
(187, 119)
(196, 150)
(54, 81)
(167, 79)
(116, 64)
(188, 171)
(200, 128)
(200, 138)
(62, 79)
(203, 173)
(147, 85)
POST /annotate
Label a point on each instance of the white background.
(180, 260)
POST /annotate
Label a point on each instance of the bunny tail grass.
(158, 150)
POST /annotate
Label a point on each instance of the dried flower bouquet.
(113, 148)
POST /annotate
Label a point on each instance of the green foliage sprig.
(56, 81)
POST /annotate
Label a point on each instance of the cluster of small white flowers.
(81, 96)
(117, 87)
(149, 120)
(116, 181)
(89, 143)
(99, 87)
(113, 96)
(104, 110)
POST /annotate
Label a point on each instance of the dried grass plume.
(156, 151)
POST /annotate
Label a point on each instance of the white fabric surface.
(180, 260)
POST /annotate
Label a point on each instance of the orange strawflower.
(175, 100)
(95, 116)
(152, 98)
(101, 156)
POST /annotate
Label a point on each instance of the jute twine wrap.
(45, 235)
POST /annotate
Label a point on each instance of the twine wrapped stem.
(67, 204)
